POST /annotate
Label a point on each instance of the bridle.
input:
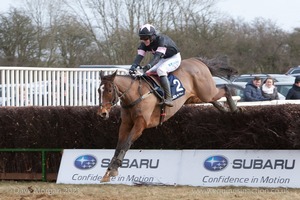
(115, 98)
(117, 95)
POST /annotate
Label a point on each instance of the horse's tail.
(219, 66)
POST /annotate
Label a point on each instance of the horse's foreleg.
(116, 161)
(126, 138)
(112, 169)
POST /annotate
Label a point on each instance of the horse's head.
(108, 94)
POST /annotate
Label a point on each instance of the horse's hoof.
(105, 179)
(114, 172)
(239, 110)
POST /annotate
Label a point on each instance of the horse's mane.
(110, 76)
(219, 66)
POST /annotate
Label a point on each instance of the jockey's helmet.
(147, 30)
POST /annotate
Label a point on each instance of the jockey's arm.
(157, 56)
(137, 60)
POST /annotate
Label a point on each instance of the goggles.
(144, 37)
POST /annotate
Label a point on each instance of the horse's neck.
(123, 83)
(129, 89)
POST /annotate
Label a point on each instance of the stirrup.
(167, 103)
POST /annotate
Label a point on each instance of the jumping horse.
(141, 108)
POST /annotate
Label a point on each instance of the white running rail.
(32, 86)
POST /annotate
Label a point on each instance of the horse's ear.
(101, 74)
(114, 74)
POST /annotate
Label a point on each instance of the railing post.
(44, 176)
(43, 151)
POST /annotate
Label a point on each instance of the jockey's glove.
(132, 69)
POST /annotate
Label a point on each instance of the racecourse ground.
(11, 190)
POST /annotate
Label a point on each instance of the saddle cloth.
(177, 89)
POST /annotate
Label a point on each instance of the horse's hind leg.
(219, 106)
(221, 93)
(231, 103)
(224, 91)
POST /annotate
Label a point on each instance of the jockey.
(166, 57)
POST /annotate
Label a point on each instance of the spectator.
(269, 90)
(294, 92)
(253, 91)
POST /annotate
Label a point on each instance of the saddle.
(177, 89)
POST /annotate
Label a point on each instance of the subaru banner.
(211, 168)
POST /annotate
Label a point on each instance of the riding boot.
(166, 86)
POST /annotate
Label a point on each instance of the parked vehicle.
(242, 80)
(277, 77)
(106, 66)
(283, 87)
(294, 71)
(236, 90)
(282, 78)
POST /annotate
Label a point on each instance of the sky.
(285, 13)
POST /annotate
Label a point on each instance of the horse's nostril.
(103, 114)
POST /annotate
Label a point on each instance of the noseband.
(115, 98)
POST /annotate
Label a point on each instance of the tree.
(18, 43)
(68, 33)
(293, 47)
(73, 42)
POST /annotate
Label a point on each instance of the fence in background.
(31, 86)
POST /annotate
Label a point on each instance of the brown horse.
(141, 109)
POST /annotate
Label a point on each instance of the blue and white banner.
(211, 168)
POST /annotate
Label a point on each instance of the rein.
(117, 94)
(137, 100)
(152, 90)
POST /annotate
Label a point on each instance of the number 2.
(178, 85)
